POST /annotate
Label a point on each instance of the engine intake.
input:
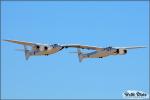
(37, 47)
(45, 48)
(125, 51)
(117, 51)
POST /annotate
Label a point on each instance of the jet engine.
(45, 48)
(41, 48)
(37, 47)
(121, 51)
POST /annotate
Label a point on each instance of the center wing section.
(83, 47)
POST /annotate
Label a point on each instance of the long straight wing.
(24, 43)
(132, 47)
(21, 42)
(83, 47)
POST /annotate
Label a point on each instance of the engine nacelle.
(121, 51)
(37, 47)
(41, 48)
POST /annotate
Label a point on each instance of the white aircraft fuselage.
(101, 53)
(46, 50)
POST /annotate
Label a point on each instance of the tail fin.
(27, 55)
(80, 55)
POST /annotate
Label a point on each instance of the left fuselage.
(45, 50)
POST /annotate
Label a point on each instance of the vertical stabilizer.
(80, 55)
(27, 55)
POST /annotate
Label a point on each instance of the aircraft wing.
(21, 42)
(132, 47)
(83, 47)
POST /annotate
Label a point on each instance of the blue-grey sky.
(61, 75)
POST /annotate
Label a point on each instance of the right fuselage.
(104, 53)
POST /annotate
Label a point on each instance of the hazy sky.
(61, 75)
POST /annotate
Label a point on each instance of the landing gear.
(46, 54)
(100, 57)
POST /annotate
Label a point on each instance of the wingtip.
(143, 46)
(9, 40)
(5, 40)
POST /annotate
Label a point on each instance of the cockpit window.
(55, 44)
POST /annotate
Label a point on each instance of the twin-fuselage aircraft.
(38, 49)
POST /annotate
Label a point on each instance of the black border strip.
(71, 1)
(76, 0)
